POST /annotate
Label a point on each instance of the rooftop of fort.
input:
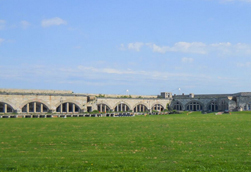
(166, 95)
(35, 91)
(122, 96)
(191, 95)
(198, 96)
(68, 93)
(39, 92)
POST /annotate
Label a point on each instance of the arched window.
(158, 107)
(194, 106)
(177, 106)
(247, 107)
(224, 105)
(68, 107)
(5, 108)
(140, 108)
(121, 108)
(35, 107)
(103, 108)
(213, 106)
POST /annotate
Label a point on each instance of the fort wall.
(17, 99)
(57, 101)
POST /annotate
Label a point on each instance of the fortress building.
(43, 101)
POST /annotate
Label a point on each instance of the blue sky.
(144, 46)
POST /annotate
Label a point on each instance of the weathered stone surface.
(17, 99)
(133, 102)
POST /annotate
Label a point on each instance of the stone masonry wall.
(17, 99)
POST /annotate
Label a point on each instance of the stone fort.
(54, 101)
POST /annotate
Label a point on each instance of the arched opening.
(247, 107)
(121, 108)
(103, 108)
(177, 106)
(140, 108)
(194, 106)
(224, 105)
(68, 107)
(213, 106)
(5, 108)
(35, 107)
(158, 107)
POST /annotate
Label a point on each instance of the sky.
(126, 47)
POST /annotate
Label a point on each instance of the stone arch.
(68, 101)
(34, 107)
(158, 106)
(247, 107)
(157, 102)
(213, 106)
(68, 107)
(223, 104)
(32, 100)
(140, 107)
(103, 107)
(177, 105)
(121, 106)
(104, 102)
(194, 106)
(6, 107)
(10, 103)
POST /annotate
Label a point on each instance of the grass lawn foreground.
(178, 142)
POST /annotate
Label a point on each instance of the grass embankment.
(179, 142)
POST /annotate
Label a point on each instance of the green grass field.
(179, 142)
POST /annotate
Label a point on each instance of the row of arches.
(198, 106)
(70, 107)
(122, 107)
(38, 107)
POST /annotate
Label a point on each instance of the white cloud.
(135, 46)
(158, 49)
(221, 44)
(247, 64)
(222, 48)
(122, 47)
(226, 48)
(1, 40)
(245, 48)
(2, 24)
(116, 71)
(184, 47)
(98, 76)
(187, 60)
(53, 22)
(25, 24)
(187, 47)
(130, 74)
(106, 70)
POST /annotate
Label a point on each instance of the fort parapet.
(66, 101)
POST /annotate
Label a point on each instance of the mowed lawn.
(179, 142)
